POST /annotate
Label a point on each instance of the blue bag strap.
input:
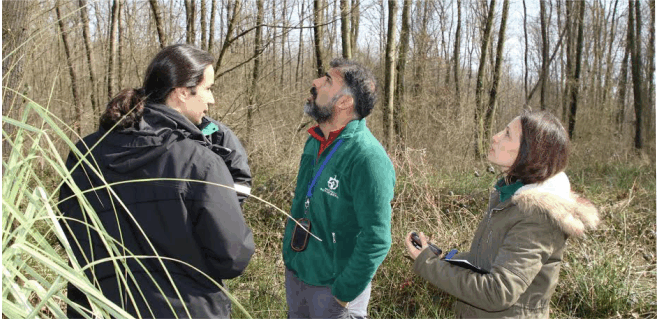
(309, 194)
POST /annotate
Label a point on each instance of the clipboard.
(466, 264)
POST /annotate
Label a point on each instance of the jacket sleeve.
(219, 225)
(228, 146)
(372, 191)
(527, 246)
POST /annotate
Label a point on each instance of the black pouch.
(300, 236)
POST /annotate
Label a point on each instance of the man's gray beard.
(321, 114)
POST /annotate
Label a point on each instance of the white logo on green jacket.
(333, 184)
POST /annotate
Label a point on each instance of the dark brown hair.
(178, 65)
(125, 108)
(544, 148)
(360, 84)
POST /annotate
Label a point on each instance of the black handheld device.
(415, 240)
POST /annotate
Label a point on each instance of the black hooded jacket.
(198, 224)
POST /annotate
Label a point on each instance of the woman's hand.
(412, 251)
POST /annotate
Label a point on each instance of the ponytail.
(126, 109)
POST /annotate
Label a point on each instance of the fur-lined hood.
(572, 213)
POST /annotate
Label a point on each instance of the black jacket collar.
(161, 116)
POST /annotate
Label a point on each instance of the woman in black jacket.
(165, 201)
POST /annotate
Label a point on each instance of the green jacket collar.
(507, 190)
(352, 128)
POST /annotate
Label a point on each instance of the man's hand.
(412, 251)
(342, 303)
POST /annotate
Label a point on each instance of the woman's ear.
(180, 94)
(177, 97)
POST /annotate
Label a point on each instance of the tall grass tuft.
(35, 251)
(37, 259)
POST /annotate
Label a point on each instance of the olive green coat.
(520, 242)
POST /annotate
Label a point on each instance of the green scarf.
(506, 191)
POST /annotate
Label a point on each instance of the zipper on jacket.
(490, 215)
(488, 211)
(488, 218)
(335, 256)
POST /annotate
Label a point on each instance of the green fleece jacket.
(521, 243)
(349, 211)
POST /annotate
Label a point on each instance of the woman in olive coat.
(520, 242)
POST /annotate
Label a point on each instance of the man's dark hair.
(360, 84)
(544, 148)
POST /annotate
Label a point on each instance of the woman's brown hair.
(544, 148)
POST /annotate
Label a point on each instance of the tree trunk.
(524, 27)
(89, 52)
(355, 22)
(330, 29)
(609, 66)
(190, 14)
(272, 36)
(578, 69)
(188, 21)
(634, 41)
(597, 18)
(158, 23)
(300, 53)
(541, 74)
(14, 33)
(391, 43)
(74, 83)
(492, 100)
(544, 55)
(284, 34)
(113, 48)
(119, 56)
(344, 28)
(479, 91)
(317, 35)
(444, 44)
(15, 30)
(229, 34)
(560, 82)
(253, 96)
(193, 17)
(650, 128)
(422, 45)
(457, 60)
(228, 9)
(399, 114)
(213, 13)
(204, 30)
(570, 59)
(622, 87)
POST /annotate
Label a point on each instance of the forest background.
(450, 72)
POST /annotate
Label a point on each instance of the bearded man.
(343, 193)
